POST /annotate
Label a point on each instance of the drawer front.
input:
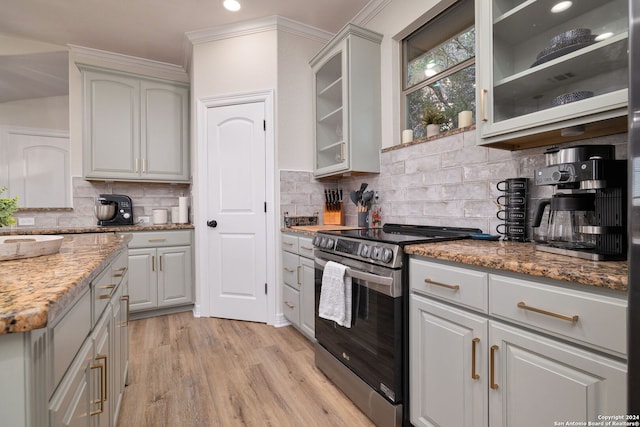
(102, 289)
(120, 266)
(597, 320)
(69, 334)
(290, 243)
(458, 285)
(305, 247)
(290, 269)
(152, 239)
(291, 305)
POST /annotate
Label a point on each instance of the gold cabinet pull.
(144, 165)
(306, 248)
(342, 151)
(160, 262)
(156, 239)
(103, 383)
(126, 299)
(122, 272)
(106, 287)
(288, 304)
(572, 319)
(483, 94)
(428, 281)
(153, 263)
(474, 374)
(298, 275)
(287, 243)
(288, 270)
(492, 367)
(137, 165)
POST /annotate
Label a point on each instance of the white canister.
(159, 216)
(183, 207)
(407, 136)
(175, 214)
(464, 119)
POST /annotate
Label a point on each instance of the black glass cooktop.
(403, 234)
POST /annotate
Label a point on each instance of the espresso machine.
(114, 209)
(588, 211)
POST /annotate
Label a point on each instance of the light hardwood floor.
(187, 371)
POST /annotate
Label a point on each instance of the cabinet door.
(69, 406)
(534, 77)
(143, 279)
(448, 386)
(307, 297)
(539, 381)
(111, 126)
(175, 285)
(164, 131)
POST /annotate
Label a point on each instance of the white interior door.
(235, 206)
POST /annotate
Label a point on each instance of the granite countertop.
(311, 230)
(33, 291)
(523, 258)
(94, 229)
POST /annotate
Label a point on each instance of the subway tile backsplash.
(449, 181)
(144, 196)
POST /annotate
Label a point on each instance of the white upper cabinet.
(548, 77)
(135, 129)
(347, 103)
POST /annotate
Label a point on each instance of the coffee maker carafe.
(569, 223)
(114, 209)
(587, 214)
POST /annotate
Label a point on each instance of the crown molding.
(130, 63)
(370, 11)
(269, 23)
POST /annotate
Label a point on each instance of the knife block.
(334, 217)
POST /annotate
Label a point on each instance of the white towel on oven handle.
(335, 294)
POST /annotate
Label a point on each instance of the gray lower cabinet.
(135, 128)
(298, 283)
(495, 350)
(161, 270)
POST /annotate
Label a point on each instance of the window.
(439, 69)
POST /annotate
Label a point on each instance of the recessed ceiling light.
(561, 6)
(232, 5)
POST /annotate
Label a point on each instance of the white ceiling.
(154, 29)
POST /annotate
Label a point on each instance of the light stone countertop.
(33, 291)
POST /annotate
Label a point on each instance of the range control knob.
(365, 251)
(387, 255)
(376, 252)
(327, 243)
(316, 240)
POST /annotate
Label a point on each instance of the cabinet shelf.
(516, 23)
(332, 116)
(330, 146)
(333, 90)
(582, 64)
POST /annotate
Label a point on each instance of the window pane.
(449, 95)
(441, 58)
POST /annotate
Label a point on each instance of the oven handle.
(367, 277)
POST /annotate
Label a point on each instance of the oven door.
(372, 346)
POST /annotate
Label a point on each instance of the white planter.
(433, 130)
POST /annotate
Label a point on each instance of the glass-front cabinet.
(550, 71)
(347, 103)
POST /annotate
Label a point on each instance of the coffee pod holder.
(513, 207)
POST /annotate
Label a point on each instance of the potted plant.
(7, 208)
(432, 118)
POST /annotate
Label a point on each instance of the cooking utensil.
(354, 197)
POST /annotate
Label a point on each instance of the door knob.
(212, 223)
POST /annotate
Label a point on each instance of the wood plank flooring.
(203, 372)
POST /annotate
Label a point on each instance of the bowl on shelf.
(28, 246)
(568, 36)
(568, 98)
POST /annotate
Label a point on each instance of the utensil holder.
(363, 219)
(334, 217)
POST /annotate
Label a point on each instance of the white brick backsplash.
(449, 181)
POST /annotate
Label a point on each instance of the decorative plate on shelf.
(565, 43)
(568, 98)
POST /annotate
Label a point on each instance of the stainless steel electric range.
(369, 360)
